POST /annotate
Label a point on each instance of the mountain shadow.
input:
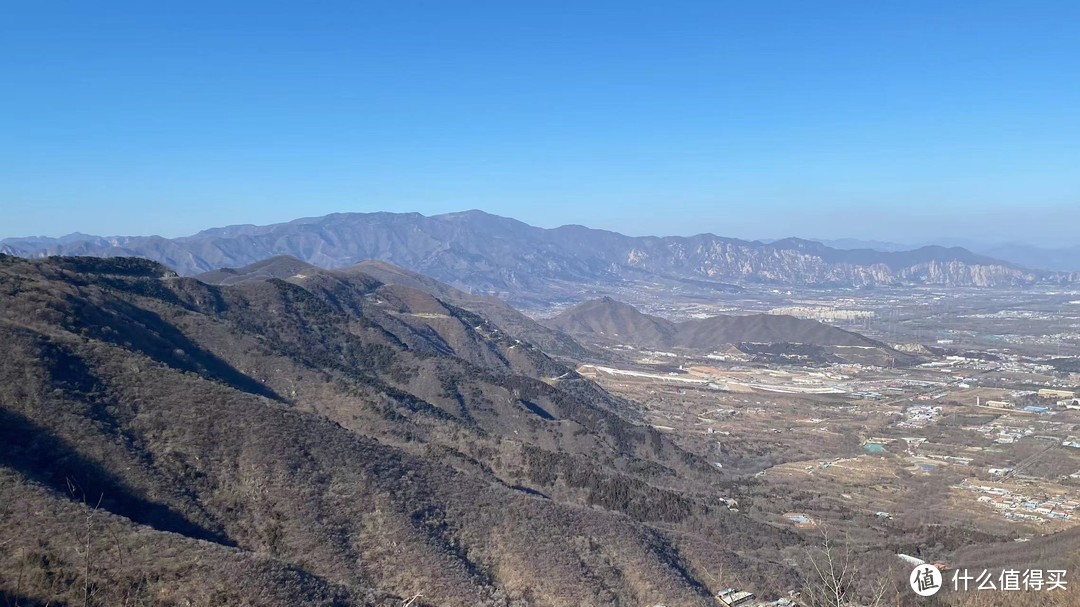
(40, 455)
(136, 328)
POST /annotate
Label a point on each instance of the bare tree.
(89, 589)
(833, 577)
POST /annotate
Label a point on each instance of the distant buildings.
(800, 520)
(911, 560)
(732, 597)
(823, 313)
(1020, 507)
(1052, 393)
(919, 416)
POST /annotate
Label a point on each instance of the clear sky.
(886, 120)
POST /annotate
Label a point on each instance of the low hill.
(281, 266)
(607, 321)
(764, 328)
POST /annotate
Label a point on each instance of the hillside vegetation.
(313, 437)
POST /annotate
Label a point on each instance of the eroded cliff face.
(733, 261)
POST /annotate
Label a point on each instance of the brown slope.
(45, 534)
(492, 308)
(291, 424)
(449, 360)
(306, 492)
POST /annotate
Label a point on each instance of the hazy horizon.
(839, 241)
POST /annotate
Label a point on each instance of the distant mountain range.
(482, 253)
(1059, 259)
(607, 321)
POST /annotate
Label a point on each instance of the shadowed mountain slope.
(329, 439)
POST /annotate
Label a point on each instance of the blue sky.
(900, 121)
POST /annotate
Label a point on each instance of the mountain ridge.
(494, 309)
(477, 252)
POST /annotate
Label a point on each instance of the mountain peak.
(279, 266)
(607, 319)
